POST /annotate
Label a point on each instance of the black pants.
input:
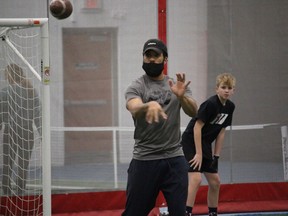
(147, 178)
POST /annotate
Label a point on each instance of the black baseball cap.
(156, 45)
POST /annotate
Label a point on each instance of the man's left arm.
(188, 105)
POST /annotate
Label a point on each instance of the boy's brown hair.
(226, 79)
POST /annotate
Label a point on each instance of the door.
(88, 94)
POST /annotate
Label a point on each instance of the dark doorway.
(88, 93)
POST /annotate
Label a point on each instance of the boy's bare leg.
(213, 180)
(194, 184)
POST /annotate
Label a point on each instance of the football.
(61, 9)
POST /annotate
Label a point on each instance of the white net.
(21, 121)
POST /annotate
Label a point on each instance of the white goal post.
(25, 44)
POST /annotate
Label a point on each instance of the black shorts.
(205, 167)
(190, 151)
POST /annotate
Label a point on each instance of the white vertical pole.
(284, 133)
(46, 142)
(115, 159)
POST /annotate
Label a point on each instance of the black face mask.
(153, 69)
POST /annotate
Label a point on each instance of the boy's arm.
(197, 160)
(217, 149)
(219, 142)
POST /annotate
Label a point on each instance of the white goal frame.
(45, 81)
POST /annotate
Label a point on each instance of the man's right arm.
(152, 110)
(136, 107)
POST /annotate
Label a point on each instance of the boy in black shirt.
(214, 115)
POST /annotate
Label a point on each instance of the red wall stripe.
(162, 23)
(247, 197)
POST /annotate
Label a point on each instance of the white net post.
(26, 189)
(46, 149)
(284, 132)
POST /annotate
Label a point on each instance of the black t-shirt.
(215, 116)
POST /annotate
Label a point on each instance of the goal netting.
(24, 117)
